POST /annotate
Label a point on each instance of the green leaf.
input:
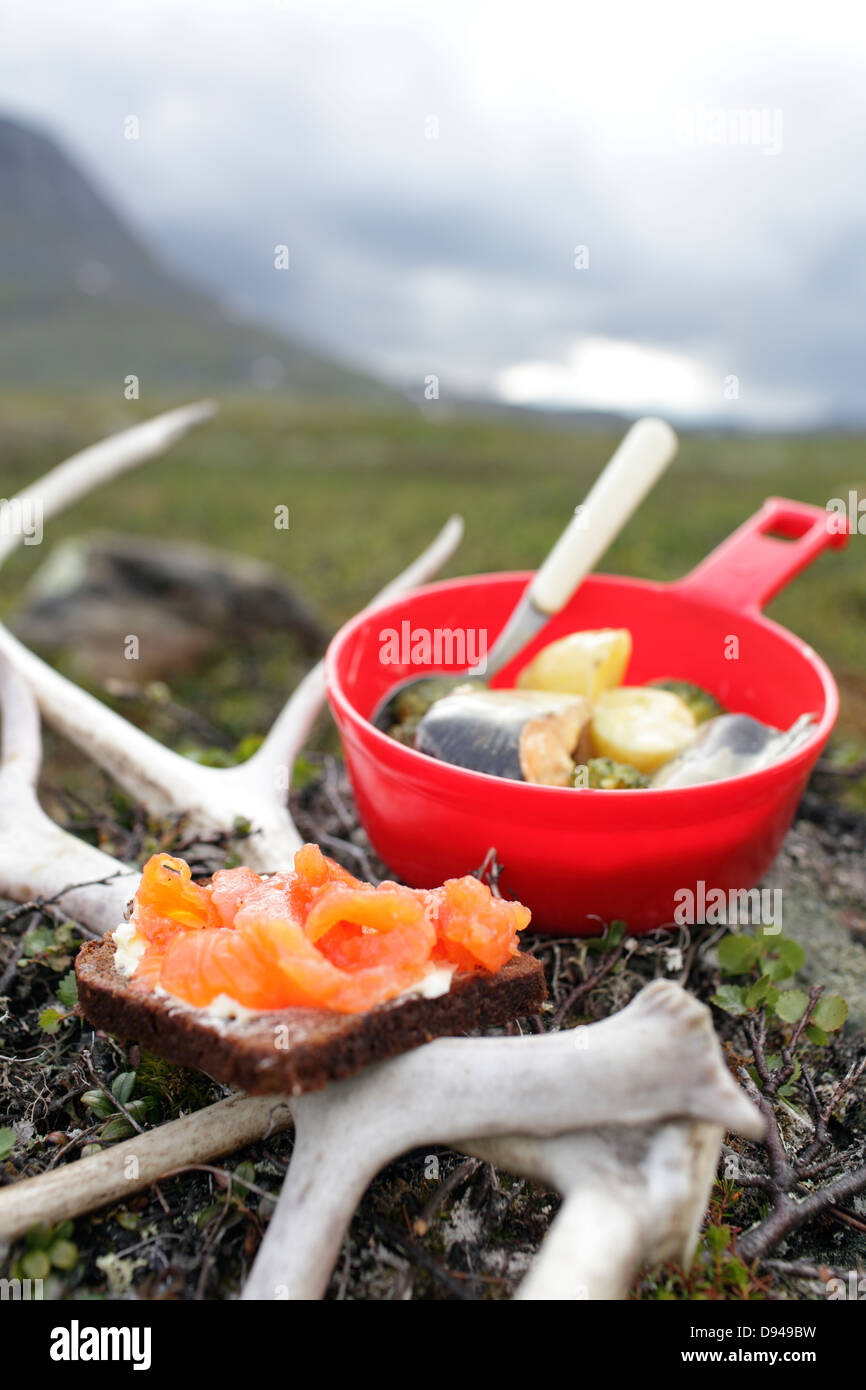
(244, 1173)
(64, 1230)
(39, 1237)
(67, 990)
(612, 936)
(730, 998)
(791, 1004)
(761, 992)
(36, 1265)
(98, 1102)
(8, 1140)
(117, 1129)
(831, 1012)
(63, 1254)
(207, 1214)
(50, 1020)
(817, 1035)
(738, 953)
(67, 936)
(784, 958)
(140, 1109)
(37, 941)
(123, 1086)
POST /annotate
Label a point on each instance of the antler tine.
(21, 743)
(145, 768)
(82, 472)
(632, 1197)
(39, 860)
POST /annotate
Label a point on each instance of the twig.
(421, 1257)
(597, 975)
(115, 1100)
(443, 1191)
(11, 965)
(823, 1113)
(788, 1214)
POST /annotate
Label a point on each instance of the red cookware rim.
(411, 758)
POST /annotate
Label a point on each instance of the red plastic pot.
(581, 857)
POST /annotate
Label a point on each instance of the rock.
(179, 600)
(822, 874)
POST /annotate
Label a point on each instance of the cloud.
(433, 168)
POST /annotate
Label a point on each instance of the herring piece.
(523, 735)
(732, 745)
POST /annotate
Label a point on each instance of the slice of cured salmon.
(314, 937)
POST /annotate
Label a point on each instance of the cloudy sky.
(634, 206)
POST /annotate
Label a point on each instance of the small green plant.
(238, 1186)
(778, 1025)
(46, 1248)
(174, 1090)
(716, 1272)
(52, 946)
(614, 933)
(766, 961)
(118, 1108)
(51, 1018)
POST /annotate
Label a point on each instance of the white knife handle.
(640, 460)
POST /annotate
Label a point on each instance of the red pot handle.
(752, 565)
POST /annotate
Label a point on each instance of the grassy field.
(366, 491)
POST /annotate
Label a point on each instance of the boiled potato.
(583, 663)
(641, 725)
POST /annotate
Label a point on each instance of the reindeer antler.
(657, 1060)
(213, 800)
(37, 858)
(627, 1126)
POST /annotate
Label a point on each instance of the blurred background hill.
(84, 302)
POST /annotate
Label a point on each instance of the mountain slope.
(83, 303)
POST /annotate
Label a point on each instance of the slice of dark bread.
(294, 1050)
